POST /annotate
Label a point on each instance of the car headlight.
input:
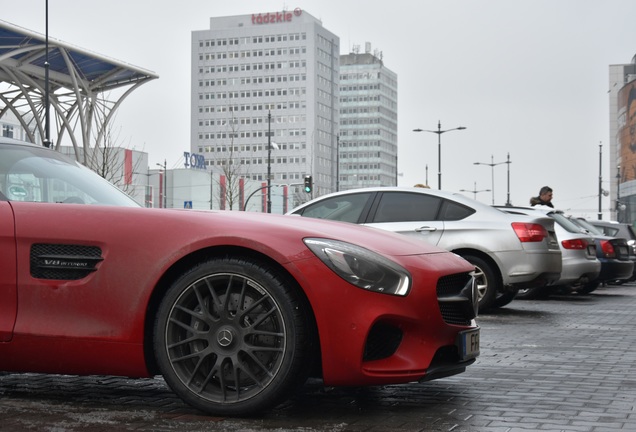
(361, 267)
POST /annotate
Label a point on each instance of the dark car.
(612, 252)
(617, 229)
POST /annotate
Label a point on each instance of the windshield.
(34, 174)
(587, 226)
(566, 223)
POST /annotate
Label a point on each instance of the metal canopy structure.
(78, 81)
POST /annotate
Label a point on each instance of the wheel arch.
(484, 256)
(200, 256)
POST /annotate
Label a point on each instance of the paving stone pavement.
(563, 364)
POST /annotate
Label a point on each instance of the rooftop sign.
(275, 17)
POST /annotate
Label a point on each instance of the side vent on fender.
(63, 262)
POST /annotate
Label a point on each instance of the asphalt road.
(563, 364)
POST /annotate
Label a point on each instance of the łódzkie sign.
(275, 17)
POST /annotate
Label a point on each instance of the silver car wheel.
(481, 281)
(487, 279)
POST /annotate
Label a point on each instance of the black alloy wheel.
(232, 338)
(506, 297)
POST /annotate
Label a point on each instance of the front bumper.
(445, 364)
(369, 338)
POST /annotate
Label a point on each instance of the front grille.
(457, 298)
(63, 262)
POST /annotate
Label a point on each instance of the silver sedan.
(578, 250)
(508, 251)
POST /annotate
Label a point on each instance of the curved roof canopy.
(77, 81)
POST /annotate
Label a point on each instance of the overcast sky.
(525, 77)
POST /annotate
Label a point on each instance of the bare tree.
(231, 166)
(109, 161)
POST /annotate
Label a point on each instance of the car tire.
(505, 298)
(533, 293)
(488, 284)
(588, 287)
(617, 282)
(233, 337)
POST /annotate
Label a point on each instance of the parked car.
(623, 230)
(578, 251)
(614, 254)
(234, 309)
(616, 229)
(509, 252)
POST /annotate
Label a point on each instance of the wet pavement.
(563, 364)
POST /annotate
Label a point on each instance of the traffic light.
(308, 183)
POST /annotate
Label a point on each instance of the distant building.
(247, 68)
(622, 109)
(12, 128)
(125, 168)
(368, 121)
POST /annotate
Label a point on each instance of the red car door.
(8, 290)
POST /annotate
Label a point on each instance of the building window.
(7, 131)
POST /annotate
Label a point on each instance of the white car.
(509, 252)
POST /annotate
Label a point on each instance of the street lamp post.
(492, 166)
(269, 162)
(508, 162)
(47, 127)
(618, 193)
(270, 144)
(474, 191)
(338, 164)
(600, 181)
(439, 133)
(165, 182)
(147, 192)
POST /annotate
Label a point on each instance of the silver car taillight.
(529, 232)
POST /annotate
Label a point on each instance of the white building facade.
(368, 121)
(11, 128)
(267, 83)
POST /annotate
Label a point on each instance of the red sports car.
(234, 309)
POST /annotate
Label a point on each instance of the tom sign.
(193, 160)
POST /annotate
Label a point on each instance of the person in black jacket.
(544, 198)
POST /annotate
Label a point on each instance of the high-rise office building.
(267, 84)
(368, 121)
